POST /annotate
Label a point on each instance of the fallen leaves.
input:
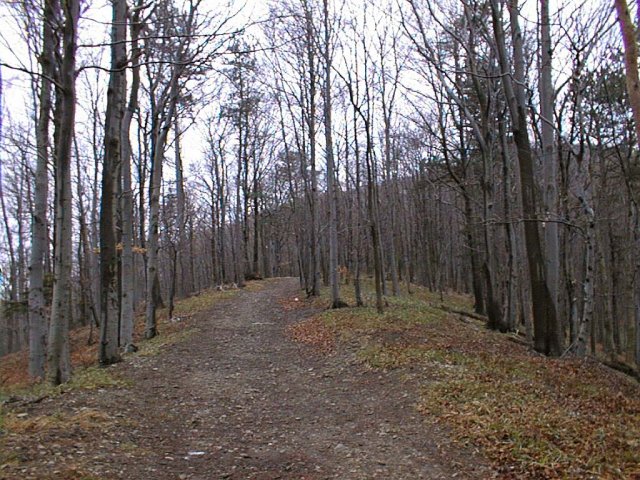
(314, 333)
(533, 417)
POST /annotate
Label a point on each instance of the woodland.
(152, 150)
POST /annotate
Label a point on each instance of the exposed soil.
(241, 400)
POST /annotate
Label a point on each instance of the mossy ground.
(533, 417)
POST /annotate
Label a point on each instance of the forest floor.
(260, 383)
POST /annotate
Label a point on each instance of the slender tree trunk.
(373, 221)
(59, 364)
(161, 131)
(358, 224)
(315, 215)
(549, 159)
(172, 284)
(476, 274)
(390, 186)
(13, 276)
(180, 212)
(86, 256)
(128, 271)
(109, 298)
(584, 327)
(494, 309)
(510, 235)
(155, 187)
(334, 278)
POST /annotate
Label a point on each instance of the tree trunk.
(549, 159)
(629, 40)
(585, 324)
(128, 272)
(59, 364)
(180, 212)
(334, 278)
(311, 119)
(109, 298)
(547, 332)
(160, 133)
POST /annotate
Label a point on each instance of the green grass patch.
(93, 378)
(155, 345)
(391, 357)
(190, 306)
(89, 378)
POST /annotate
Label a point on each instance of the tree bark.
(311, 120)
(109, 297)
(334, 278)
(127, 268)
(59, 364)
(549, 159)
(547, 333)
(628, 30)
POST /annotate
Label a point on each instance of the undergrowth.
(533, 417)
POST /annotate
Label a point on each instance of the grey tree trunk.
(127, 260)
(547, 333)
(549, 159)
(334, 278)
(585, 324)
(109, 297)
(160, 140)
(311, 123)
(357, 225)
(37, 304)
(165, 106)
(58, 362)
(387, 107)
(180, 214)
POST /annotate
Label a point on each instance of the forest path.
(240, 400)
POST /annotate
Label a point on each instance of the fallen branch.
(22, 402)
(464, 313)
(623, 367)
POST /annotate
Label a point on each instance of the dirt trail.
(239, 400)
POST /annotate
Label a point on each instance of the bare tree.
(109, 298)
(58, 363)
(547, 332)
(39, 226)
(549, 156)
(127, 267)
(327, 52)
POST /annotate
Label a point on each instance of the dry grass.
(532, 416)
(85, 419)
